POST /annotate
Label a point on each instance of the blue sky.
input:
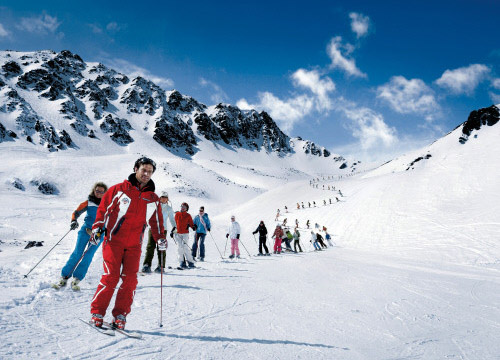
(370, 79)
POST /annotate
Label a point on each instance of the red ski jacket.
(125, 211)
(183, 221)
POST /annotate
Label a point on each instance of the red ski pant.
(277, 244)
(122, 262)
(234, 247)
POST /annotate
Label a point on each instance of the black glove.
(227, 235)
(208, 229)
(74, 225)
(172, 234)
(237, 236)
(195, 227)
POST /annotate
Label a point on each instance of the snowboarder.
(314, 241)
(183, 222)
(262, 230)
(202, 223)
(296, 238)
(278, 235)
(122, 217)
(72, 267)
(168, 213)
(233, 233)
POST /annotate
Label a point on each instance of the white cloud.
(463, 80)
(113, 27)
(409, 96)
(43, 24)
(495, 98)
(496, 83)
(3, 32)
(320, 87)
(217, 95)
(132, 70)
(285, 112)
(339, 59)
(96, 29)
(360, 24)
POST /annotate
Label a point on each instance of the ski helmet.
(144, 161)
(185, 204)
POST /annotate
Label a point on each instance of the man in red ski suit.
(122, 217)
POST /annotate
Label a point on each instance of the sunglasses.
(99, 191)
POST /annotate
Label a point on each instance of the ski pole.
(254, 239)
(25, 276)
(81, 258)
(225, 246)
(245, 247)
(161, 289)
(216, 245)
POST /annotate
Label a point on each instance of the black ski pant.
(262, 242)
(295, 244)
(150, 252)
(322, 243)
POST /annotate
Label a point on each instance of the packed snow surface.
(414, 273)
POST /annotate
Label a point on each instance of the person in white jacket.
(168, 213)
(233, 232)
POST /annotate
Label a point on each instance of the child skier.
(234, 232)
(278, 235)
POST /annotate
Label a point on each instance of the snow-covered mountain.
(60, 102)
(414, 273)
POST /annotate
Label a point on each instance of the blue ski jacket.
(199, 224)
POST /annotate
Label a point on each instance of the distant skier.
(298, 206)
(288, 239)
(340, 192)
(72, 267)
(183, 222)
(123, 214)
(278, 235)
(233, 233)
(337, 199)
(286, 209)
(202, 223)
(320, 240)
(324, 202)
(302, 205)
(296, 238)
(314, 241)
(296, 223)
(328, 239)
(168, 214)
(308, 224)
(309, 203)
(330, 201)
(284, 222)
(323, 187)
(314, 203)
(316, 225)
(277, 215)
(262, 230)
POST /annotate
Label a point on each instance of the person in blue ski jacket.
(72, 267)
(202, 223)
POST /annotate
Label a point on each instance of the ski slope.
(414, 273)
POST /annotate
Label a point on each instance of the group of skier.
(117, 218)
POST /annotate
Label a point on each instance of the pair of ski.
(108, 329)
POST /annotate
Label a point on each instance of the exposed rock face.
(94, 102)
(486, 116)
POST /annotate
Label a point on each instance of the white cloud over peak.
(3, 32)
(133, 71)
(409, 96)
(217, 95)
(463, 80)
(338, 53)
(289, 111)
(286, 112)
(360, 24)
(311, 80)
(43, 24)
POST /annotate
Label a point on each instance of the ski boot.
(146, 269)
(119, 322)
(238, 257)
(158, 270)
(191, 265)
(96, 320)
(74, 284)
(231, 256)
(62, 283)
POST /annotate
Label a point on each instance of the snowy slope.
(414, 273)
